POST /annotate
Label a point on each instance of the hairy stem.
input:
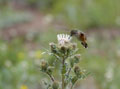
(63, 81)
(63, 76)
(51, 77)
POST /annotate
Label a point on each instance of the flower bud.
(52, 44)
(49, 70)
(74, 46)
(55, 85)
(77, 58)
(44, 66)
(53, 47)
(77, 70)
(68, 51)
(63, 49)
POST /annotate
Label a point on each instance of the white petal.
(67, 36)
(58, 37)
(62, 35)
(63, 38)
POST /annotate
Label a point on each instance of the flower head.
(55, 85)
(77, 70)
(63, 39)
(44, 66)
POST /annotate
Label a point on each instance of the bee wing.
(84, 44)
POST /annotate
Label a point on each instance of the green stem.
(51, 77)
(63, 82)
(63, 76)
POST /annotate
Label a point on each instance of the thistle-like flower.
(65, 52)
(63, 39)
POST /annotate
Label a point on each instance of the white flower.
(63, 39)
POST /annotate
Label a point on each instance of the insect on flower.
(80, 36)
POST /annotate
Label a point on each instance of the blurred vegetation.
(19, 65)
(89, 13)
(19, 61)
(9, 17)
(80, 13)
(16, 66)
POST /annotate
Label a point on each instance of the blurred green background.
(27, 27)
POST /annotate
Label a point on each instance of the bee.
(80, 36)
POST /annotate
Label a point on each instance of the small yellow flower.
(21, 55)
(24, 87)
(38, 54)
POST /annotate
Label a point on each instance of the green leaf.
(74, 79)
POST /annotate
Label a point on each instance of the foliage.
(80, 13)
(16, 66)
(9, 17)
(88, 13)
